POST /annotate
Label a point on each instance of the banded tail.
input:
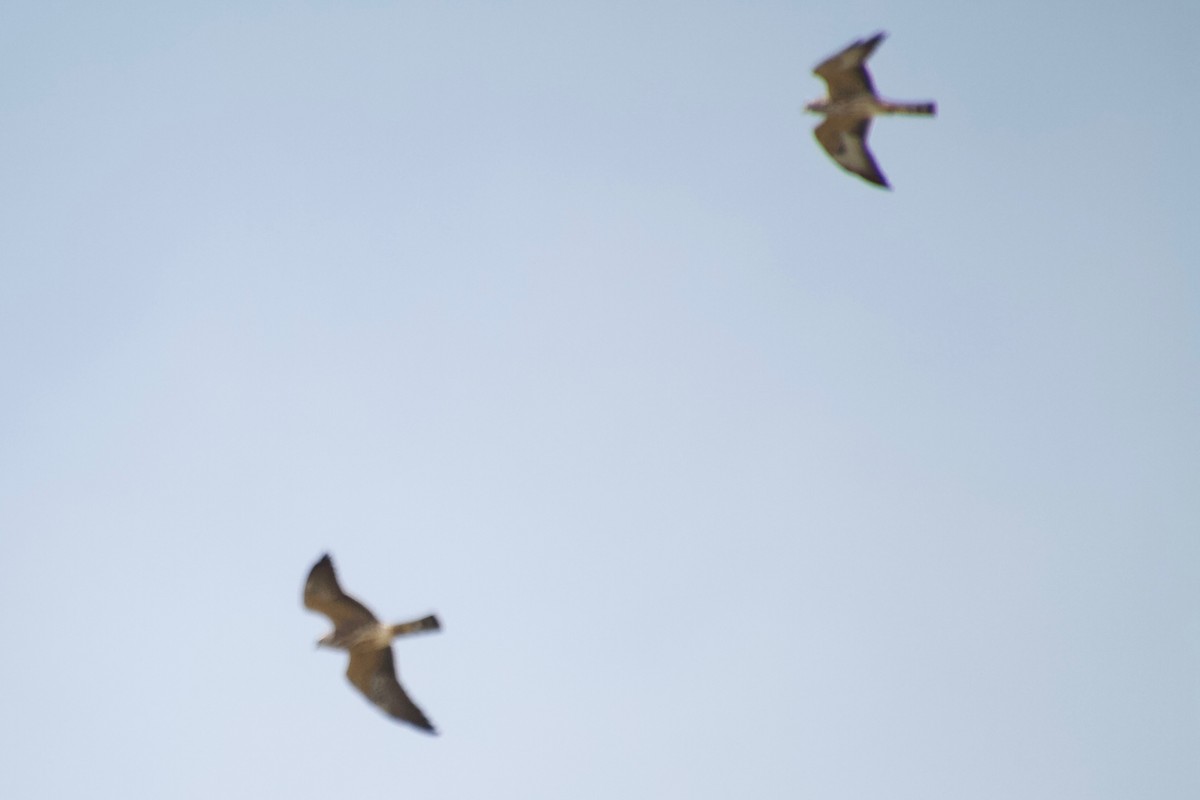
(429, 623)
(920, 109)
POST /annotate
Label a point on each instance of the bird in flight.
(851, 104)
(372, 669)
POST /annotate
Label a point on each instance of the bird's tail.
(922, 109)
(429, 623)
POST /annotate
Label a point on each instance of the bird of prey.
(372, 669)
(851, 104)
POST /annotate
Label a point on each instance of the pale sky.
(728, 474)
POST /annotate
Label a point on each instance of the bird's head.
(817, 106)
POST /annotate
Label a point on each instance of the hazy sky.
(729, 474)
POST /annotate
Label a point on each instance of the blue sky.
(728, 474)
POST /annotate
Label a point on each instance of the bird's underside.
(851, 105)
(372, 668)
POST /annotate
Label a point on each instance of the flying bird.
(851, 104)
(372, 669)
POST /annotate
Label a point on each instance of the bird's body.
(376, 636)
(850, 107)
(372, 668)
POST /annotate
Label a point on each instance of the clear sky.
(729, 474)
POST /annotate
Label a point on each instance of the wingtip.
(871, 42)
(423, 725)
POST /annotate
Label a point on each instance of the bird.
(851, 104)
(372, 669)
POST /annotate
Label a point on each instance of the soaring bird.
(851, 104)
(372, 669)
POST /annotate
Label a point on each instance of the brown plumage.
(372, 669)
(851, 104)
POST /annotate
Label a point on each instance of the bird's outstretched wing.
(846, 73)
(373, 672)
(323, 594)
(845, 139)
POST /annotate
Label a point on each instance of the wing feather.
(846, 73)
(845, 139)
(323, 595)
(373, 672)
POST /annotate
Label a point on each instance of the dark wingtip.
(423, 725)
(323, 561)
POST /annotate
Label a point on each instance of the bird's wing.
(373, 672)
(846, 73)
(845, 138)
(322, 594)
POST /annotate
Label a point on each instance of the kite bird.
(372, 669)
(851, 104)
